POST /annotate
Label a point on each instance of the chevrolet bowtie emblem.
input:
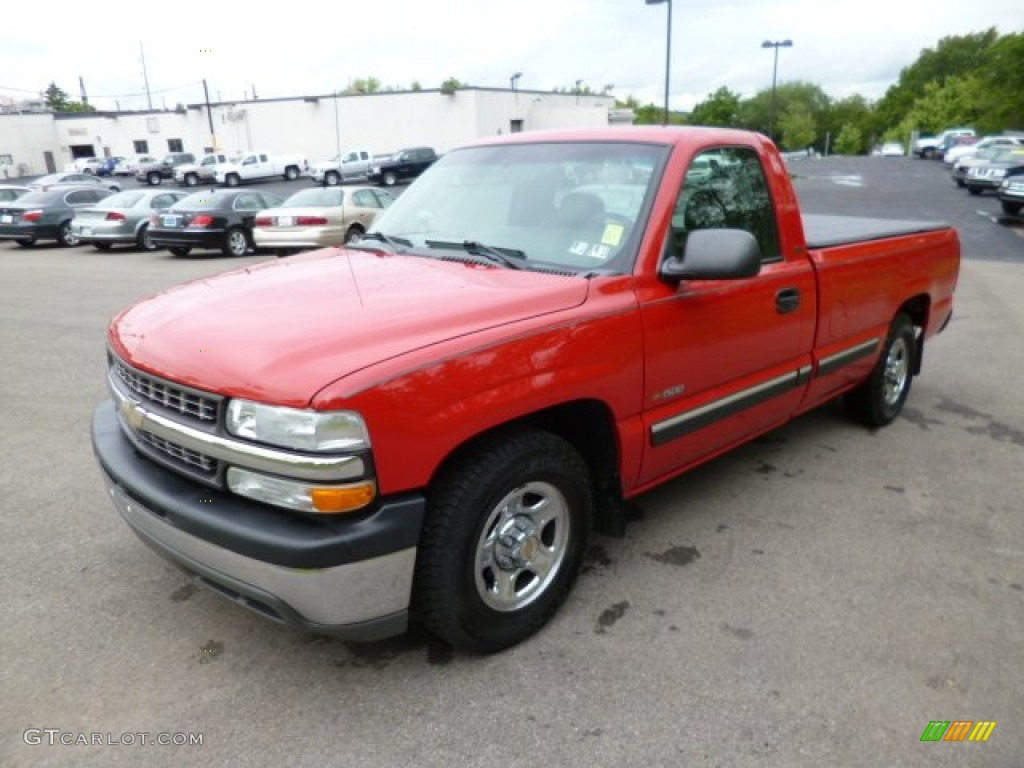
(133, 414)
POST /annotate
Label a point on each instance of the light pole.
(776, 44)
(668, 49)
(578, 84)
(514, 79)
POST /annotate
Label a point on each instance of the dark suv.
(154, 173)
(404, 164)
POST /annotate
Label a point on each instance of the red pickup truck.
(430, 422)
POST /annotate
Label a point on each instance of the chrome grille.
(166, 394)
(187, 456)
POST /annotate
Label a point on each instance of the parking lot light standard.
(776, 44)
(668, 50)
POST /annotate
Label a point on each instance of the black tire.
(236, 243)
(960, 183)
(232, 179)
(26, 242)
(332, 178)
(154, 179)
(354, 234)
(880, 398)
(1009, 208)
(974, 190)
(143, 240)
(463, 562)
(928, 153)
(390, 179)
(291, 173)
(180, 250)
(101, 246)
(191, 180)
(65, 237)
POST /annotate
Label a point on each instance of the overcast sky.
(291, 49)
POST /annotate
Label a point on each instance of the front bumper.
(349, 577)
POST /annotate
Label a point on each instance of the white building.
(315, 126)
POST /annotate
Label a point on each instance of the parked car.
(57, 179)
(202, 171)
(964, 164)
(928, 147)
(109, 165)
(122, 218)
(9, 192)
(259, 166)
(968, 149)
(46, 214)
(353, 165)
(85, 165)
(404, 164)
(215, 218)
(1011, 191)
(128, 165)
(989, 177)
(318, 217)
(154, 173)
(892, 149)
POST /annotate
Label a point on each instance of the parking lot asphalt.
(814, 598)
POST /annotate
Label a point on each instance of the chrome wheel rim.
(147, 241)
(897, 369)
(69, 236)
(522, 547)
(237, 243)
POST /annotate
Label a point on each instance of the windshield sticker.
(579, 248)
(612, 234)
(599, 252)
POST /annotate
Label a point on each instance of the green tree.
(1001, 80)
(720, 108)
(756, 112)
(849, 141)
(451, 85)
(415, 86)
(853, 112)
(56, 98)
(797, 127)
(364, 85)
(956, 102)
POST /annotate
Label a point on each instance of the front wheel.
(332, 179)
(153, 179)
(143, 240)
(191, 180)
(506, 528)
(291, 173)
(235, 243)
(354, 234)
(180, 250)
(974, 190)
(232, 179)
(880, 399)
(390, 179)
(1010, 208)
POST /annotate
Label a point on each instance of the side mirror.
(714, 254)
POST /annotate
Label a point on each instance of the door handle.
(787, 300)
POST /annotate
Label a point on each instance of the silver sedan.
(122, 218)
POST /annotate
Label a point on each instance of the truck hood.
(282, 331)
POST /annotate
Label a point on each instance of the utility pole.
(145, 77)
(209, 116)
(81, 88)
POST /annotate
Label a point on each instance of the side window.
(247, 202)
(250, 160)
(725, 188)
(364, 155)
(384, 199)
(263, 158)
(364, 199)
(79, 197)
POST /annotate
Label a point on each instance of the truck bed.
(826, 231)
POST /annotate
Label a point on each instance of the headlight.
(319, 431)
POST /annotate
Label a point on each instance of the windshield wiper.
(394, 242)
(506, 257)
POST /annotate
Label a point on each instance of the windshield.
(575, 206)
(204, 201)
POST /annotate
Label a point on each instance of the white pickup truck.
(192, 174)
(254, 166)
(352, 165)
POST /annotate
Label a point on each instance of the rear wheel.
(880, 398)
(1011, 209)
(291, 173)
(332, 179)
(390, 179)
(143, 240)
(180, 250)
(506, 528)
(354, 234)
(235, 242)
(65, 236)
(232, 179)
(153, 179)
(191, 180)
(960, 183)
